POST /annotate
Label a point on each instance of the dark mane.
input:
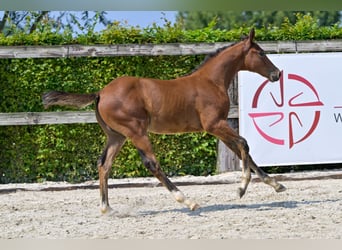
(210, 56)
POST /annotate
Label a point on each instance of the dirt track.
(310, 208)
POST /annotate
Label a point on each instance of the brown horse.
(130, 107)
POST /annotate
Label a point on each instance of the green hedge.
(70, 152)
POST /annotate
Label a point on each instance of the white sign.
(298, 119)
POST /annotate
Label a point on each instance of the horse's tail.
(58, 98)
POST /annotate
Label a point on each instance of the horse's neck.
(222, 69)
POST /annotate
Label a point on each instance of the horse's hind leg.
(144, 147)
(114, 144)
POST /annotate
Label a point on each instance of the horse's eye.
(262, 53)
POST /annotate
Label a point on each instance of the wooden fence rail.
(158, 49)
(64, 117)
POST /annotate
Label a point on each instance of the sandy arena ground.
(311, 208)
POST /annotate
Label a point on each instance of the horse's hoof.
(241, 192)
(194, 206)
(106, 210)
(280, 188)
(191, 205)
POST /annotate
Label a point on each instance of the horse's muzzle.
(275, 75)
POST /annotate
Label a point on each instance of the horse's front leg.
(278, 187)
(238, 145)
(246, 171)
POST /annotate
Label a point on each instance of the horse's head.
(257, 61)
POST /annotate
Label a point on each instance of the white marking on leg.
(105, 209)
(179, 196)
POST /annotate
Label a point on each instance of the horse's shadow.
(226, 207)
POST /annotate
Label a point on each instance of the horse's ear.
(251, 34)
(250, 39)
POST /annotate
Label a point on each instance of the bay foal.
(130, 107)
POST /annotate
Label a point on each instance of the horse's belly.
(175, 125)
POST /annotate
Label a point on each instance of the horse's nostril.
(275, 75)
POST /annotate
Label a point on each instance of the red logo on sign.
(296, 105)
